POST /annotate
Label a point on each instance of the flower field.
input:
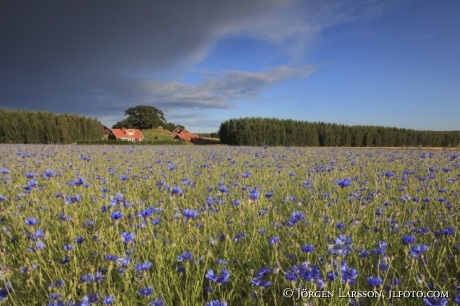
(217, 225)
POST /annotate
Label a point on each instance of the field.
(219, 225)
(158, 135)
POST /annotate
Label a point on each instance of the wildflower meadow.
(221, 225)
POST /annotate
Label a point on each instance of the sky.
(389, 63)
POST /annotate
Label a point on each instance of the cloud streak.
(217, 90)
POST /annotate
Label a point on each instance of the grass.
(162, 135)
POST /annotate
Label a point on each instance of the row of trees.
(277, 132)
(18, 126)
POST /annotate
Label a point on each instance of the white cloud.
(294, 28)
(217, 90)
(248, 85)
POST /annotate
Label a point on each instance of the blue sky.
(388, 63)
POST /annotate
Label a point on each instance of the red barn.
(126, 134)
(187, 137)
(106, 129)
(179, 130)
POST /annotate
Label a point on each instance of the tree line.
(278, 132)
(19, 126)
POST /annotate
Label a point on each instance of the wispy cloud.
(217, 89)
(248, 85)
(297, 27)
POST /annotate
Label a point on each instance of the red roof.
(128, 134)
(187, 136)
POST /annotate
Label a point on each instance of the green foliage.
(143, 117)
(277, 132)
(17, 126)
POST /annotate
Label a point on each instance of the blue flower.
(39, 246)
(343, 182)
(216, 303)
(185, 256)
(340, 225)
(4, 170)
(90, 278)
(116, 215)
(176, 191)
(408, 239)
(341, 246)
(236, 203)
(4, 291)
(253, 196)
(363, 253)
(146, 291)
(435, 301)
(68, 247)
(57, 284)
(349, 275)
(296, 216)
(155, 221)
(144, 266)
(30, 221)
(259, 282)
(146, 213)
(157, 302)
(77, 182)
(29, 175)
(189, 214)
(71, 199)
(55, 296)
(65, 260)
(128, 237)
(374, 281)
(388, 174)
(238, 236)
(307, 248)
(221, 278)
(417, 250)
(108, 300)
(49, 173)
(274, 240)
(382, 246)
(89, 299)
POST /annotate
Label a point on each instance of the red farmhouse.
(179, 130)
(125, 134)
(187, 137)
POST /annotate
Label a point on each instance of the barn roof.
(187, 136)
(122, 133)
